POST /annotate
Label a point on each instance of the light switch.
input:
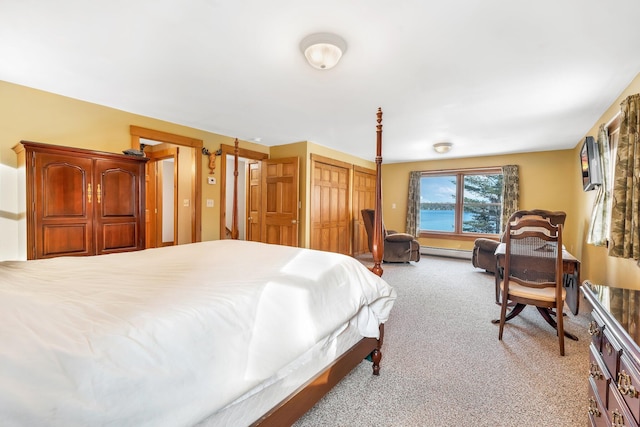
(209, 203)
(185, 202)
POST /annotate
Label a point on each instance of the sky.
(438, 189)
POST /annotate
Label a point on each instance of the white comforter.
(165, 337)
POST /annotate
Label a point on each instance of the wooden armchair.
(533, 272)
(398, 247)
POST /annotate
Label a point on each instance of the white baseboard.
(452, 253)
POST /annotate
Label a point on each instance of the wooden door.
(151, 209)
(330, 214)
(280, 201)
(118, 208)
(161, 204)
(254, 202)
(62, 193)
(364, 193)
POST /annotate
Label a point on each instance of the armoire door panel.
(117, 189)
(118, 236)
(65, 186)
(65, 239)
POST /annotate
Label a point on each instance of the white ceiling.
(491, 76)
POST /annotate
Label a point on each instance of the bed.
(174, 336)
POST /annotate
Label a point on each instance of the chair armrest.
(399, 237)
(486, 244)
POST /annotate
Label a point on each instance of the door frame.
(155, 157)
(244, 153)
(138, 132)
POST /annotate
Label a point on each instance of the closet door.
(118, 208)
(364, 194)
(330, 213)
(62, 205)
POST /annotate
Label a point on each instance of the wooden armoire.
(82, 202)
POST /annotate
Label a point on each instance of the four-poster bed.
(161, 337)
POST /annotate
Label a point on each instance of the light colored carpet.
(443, 365)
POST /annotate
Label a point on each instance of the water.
(440, 220)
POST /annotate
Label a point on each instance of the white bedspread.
(165, 337)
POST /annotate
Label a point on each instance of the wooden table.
(571, 277)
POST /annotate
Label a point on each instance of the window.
(460, 202)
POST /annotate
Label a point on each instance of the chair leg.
(503, 316)
(560, 328)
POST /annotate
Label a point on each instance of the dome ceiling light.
(323, 50)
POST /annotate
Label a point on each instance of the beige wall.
(596, 264)
(34, 115)
(546, 182)
(304, 150)
(549, 180)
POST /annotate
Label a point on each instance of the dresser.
(82, 202)
(614, 353)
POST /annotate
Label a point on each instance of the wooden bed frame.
(306, 396)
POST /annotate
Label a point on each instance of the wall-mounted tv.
(590, 164)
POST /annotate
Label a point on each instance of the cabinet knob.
(593, 407)
(594, 329)
(617, 419)
(595, 372)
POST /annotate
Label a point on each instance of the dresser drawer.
(598, 416)
(618, 412)
(596, 326)
(599, 375)
(628, 385)
(610, 353)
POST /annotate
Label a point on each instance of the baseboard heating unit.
(446, 252)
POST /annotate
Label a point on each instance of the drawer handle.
(625, 386)
(617, 419)
(594, 330)
(595, 372)
(593, 408)
(89, 192)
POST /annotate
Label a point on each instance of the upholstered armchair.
(484, 248)
(398, 247)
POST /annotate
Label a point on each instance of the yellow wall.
(545, 183)
(548, 180)
(34, 115)
(304, 150)
(596, 264)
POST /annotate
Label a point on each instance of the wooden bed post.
(234, 213)
(378, 238)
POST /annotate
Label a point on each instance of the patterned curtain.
(601, 214)
(625, 211)
(413, 203)
(510, 193)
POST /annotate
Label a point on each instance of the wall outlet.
(185, 202)
(211, 180)
(209, 203)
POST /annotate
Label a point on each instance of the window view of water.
(440, 220)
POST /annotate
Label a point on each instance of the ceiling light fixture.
(323, 50)
(442, 147)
